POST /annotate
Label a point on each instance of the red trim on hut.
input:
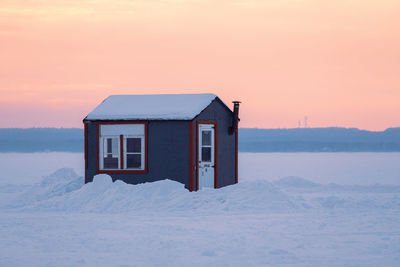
(86, 148)
(191, 156)
(215, 152)
(121, 150)
(237, 156)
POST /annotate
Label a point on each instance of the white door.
(206, 155)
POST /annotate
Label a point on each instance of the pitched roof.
(151, 107)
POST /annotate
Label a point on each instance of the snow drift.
(64, 191)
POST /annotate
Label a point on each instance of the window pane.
(133, 161)
(111, 153)
(206, 154)
(110, 163)
(134, 145)
(115, 148)
(109, 145)
(206, 138)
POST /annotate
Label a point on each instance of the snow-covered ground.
(58, 221)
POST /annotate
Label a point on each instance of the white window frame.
(135, 130)
(142, 151)
(211, 128)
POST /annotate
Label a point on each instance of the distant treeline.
(333, 139)
(41, 140)
(250, 140)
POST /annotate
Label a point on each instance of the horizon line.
(280, 128)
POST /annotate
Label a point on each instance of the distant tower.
(305, 121)
(298, 124)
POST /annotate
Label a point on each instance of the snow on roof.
(151, 107)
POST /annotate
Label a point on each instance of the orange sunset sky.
(337, 62)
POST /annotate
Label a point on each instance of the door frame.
(215, 152)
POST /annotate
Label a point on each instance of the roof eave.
(136, 119)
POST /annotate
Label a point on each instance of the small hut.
(189, 138)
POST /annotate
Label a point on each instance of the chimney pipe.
(235, 120)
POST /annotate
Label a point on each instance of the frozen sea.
(289, 209)
(341, 168)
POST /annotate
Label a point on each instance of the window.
(134, 152)
(122, 147)
(111, 152)
(206, 146)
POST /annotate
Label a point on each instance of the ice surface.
(28, 168)
(59, 221)
(343, 168)
(151, 107)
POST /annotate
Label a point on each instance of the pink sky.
(338, 62)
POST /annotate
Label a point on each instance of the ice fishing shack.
(189, 138)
